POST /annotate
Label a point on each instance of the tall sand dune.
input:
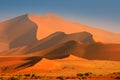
(51, 40)
(17, 32)
(50, 23)
(58, 38)
(25, 29)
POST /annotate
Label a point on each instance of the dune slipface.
(60, 45)
(17, 32)
(58, 38)
(50, 41)
(92, 51)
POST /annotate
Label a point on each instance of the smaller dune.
(58, 38)
(71, 65)
(10, 64)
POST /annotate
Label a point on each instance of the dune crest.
(25, 29)
(58, 38)
(50, 23)
(17, 32)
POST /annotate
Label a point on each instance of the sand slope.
(15, 63)
(17, 32)
(69, 56)
(72, 65)
(50, 23)
(23, 30)
(58, 38)
(52, 40)
(94, 51)
(69, 65)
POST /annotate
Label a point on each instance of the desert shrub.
(79, 75)
(34, 76)
(116, 72)
(3, 78)
(60, 77)
(19, 77)
(73, 77)
(67, 77)
(13, 78)
(31, 75)
(118, 77)
(84, 77)
(28, 75)
(86, 74)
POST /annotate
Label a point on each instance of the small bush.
(118, 77)
(60, 77)
(79, 75)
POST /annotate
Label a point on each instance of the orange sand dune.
(24, 30)
(73, 52)
(15, 63)
(17, 32)
(50, 23)
(69, 56)
(71, 65)
(51, 40)
(94, 51)
(58, 38)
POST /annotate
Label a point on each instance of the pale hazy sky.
(104, 14)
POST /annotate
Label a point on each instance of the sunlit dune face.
(51, 23)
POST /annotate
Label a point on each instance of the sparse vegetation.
(79, 76)
(116, 73)
(84, 75)
(60, 77)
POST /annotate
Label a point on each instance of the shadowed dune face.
(103, 51)
(94, 51)
(17, 32)
(61, 52)
(58, 38)
(52, 40)
(47, 42)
